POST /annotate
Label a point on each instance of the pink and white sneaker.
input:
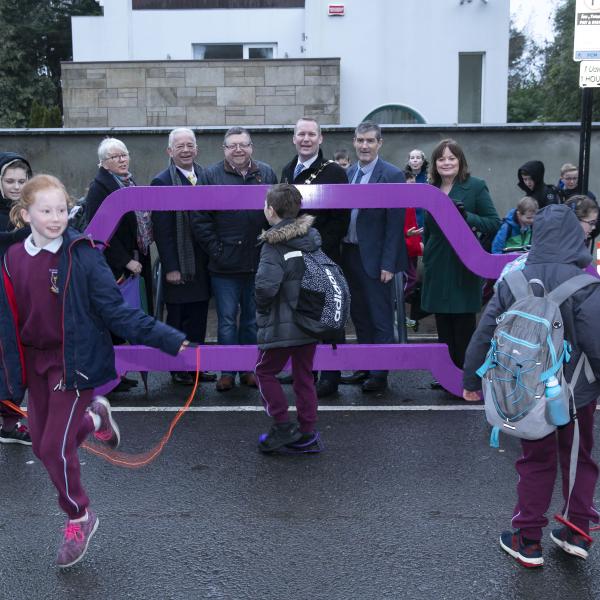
(108, 432)
(76, 540)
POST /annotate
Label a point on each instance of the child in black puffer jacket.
(277, 287)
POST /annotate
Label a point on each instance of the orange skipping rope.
(123, 459)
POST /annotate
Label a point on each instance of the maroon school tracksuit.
(537, 469)
(269, 364)
(58, 420)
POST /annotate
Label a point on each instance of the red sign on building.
(336, 10)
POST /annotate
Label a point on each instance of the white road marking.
(421, 408)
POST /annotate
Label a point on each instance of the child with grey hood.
(558, 253)
(277, 288)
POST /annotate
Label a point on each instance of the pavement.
(406, 502)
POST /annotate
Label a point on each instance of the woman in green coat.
(450, 290)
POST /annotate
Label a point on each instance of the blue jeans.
(233, 295)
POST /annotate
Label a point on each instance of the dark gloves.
(461, 209)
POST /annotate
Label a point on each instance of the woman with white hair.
(129, 249)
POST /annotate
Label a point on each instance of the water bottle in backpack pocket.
(557, 403)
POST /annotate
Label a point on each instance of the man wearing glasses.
(230, 240)
(184, 263)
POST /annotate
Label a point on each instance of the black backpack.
(324, 299)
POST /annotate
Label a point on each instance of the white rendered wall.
(406, 52)
(392, 51)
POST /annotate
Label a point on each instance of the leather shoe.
(225, 383)
(326, 388)
(356, 377)
(204, 376)
(374, 384)
(183, 378)
(248, 379)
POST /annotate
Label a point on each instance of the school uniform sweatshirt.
(34, 275)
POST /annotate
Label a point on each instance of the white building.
(402, 61)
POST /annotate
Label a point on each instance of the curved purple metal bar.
(228, 197)
(430, 357)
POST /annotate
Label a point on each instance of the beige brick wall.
(199, 93)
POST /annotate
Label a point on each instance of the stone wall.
(494, 153)
(200, 93)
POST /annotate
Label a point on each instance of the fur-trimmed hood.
(295, 232)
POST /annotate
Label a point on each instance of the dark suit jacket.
(380, 231)
(331, 223)
(165, 236)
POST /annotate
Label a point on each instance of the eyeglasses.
(591, 223)
(243, 146)
(117, 157)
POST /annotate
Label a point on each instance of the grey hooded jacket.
(277, 283)
(558, 253)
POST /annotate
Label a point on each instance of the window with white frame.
(233, 51)
(470, 79)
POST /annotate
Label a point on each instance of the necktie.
(299, 168)
(192, 178)
(359, 175)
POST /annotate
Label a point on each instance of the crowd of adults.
(215, 254)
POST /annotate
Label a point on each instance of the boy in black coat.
(277, 287)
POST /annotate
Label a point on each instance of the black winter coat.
(123, 244)
(332, 224)
(542, 192)
(277, 283)
(165, 236)
(230, 237)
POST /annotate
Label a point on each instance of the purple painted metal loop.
(430, 357)
(389, 195)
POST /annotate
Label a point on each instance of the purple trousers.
(270, 362)
(537, 470)
(58, 425)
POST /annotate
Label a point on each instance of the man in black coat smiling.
(185, 276)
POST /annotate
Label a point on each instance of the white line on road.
(478, 407)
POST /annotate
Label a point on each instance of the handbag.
(133, 290)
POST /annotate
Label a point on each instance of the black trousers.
(372, 304)
(456, 331)
(189, 317)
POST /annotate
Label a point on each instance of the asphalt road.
(407, 501)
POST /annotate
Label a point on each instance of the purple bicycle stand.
(429, 357)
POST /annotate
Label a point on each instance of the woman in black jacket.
(128, 251)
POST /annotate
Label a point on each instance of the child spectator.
(278, 278)
(569, 182)
(342, 158)
(414, 242)
(557, 254)
(14, 173)
(531, 181)
(514, 234)
(66, 299)
(417, 165)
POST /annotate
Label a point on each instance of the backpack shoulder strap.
(518, 284)
(569, 287)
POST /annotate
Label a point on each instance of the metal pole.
(400, 310)
(585, 140)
